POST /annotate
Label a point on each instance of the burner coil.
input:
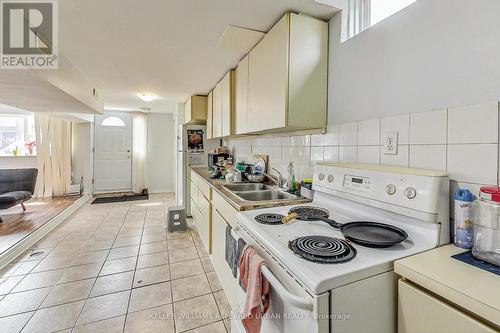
(321, 249)
(269, 218)
(305, 211)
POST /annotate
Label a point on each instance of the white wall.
(17, 162)
(82, 163)
(161, 153)
(431, 55)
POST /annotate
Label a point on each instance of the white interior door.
(113, 152)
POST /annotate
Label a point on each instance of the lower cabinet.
(420, 312)
(204, 224)
(224, 273)
(201, 210)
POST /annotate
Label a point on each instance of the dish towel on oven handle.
(256, 288)
(231, 250)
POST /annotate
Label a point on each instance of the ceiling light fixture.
(147, 97)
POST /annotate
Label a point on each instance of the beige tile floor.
(113, 268)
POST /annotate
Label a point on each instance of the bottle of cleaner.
(464, 219)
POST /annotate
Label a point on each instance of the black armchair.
(16, 187)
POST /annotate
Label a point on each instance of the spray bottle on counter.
(464, 219)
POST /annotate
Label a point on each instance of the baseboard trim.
(30, 240)
(157, 191)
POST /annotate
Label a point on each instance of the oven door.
(292, 309)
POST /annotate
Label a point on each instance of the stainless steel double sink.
(258, 192)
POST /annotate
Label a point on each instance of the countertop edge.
(405, 269)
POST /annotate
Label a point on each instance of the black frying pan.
(371, 234)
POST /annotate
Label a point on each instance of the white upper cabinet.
(268, 78)
(210, 134)
(287, 78)
(216, 112)
(226, 104)
(196, 109)
(241, 97)
(222, 107)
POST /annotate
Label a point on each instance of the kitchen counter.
(237, 203)
(467, 286)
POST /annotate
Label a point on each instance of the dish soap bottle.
(464, 219)
(291, 178)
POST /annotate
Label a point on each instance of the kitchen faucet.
(280, 182)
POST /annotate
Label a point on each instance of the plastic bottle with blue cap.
(464, 219)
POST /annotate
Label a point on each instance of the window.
(382, 9)
(17, 135)
(363, 14)
(113, 122)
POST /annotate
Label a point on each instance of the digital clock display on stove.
(357, 183)
(357, 180)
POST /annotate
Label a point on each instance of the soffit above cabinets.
(239, 39)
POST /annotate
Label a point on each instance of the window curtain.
(53, 142)
(139, 151)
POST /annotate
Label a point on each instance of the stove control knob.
(390, 189)
(410, 192)
(330, 178)
(321, 176)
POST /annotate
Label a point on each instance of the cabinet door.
(216, 112)
(241, 95)
(268, 79)
(226, 105)
(420, 312)
(187, 111)
(209, 116)
(204, 225)
(228, 282)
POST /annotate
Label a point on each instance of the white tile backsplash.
(369, 132)
(473, 163)
(428, 127)
(316, 154)
(473, 124)
(401, 159)
(317, 140)
(348, 154)
(298, 155)
(331, 154)
(331, 137)
(297, 140)
(348, 134)
(431, 157)
(462, 141)
(369, 154)
(399, 124)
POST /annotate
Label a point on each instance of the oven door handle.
(287, 296)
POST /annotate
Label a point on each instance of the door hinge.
(93, 149)
(92, 180)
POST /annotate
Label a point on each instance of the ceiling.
(165, 47)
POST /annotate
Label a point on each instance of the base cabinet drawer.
(227, 212)
(224, 273)
(194, 193)
(194, 178)
(205, 189)
(420, 312)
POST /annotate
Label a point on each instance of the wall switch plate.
(391, 143)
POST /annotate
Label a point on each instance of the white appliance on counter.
(327, 284)
(192, 150)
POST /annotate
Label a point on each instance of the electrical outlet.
(391, 143)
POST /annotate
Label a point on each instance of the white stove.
(415, 201)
